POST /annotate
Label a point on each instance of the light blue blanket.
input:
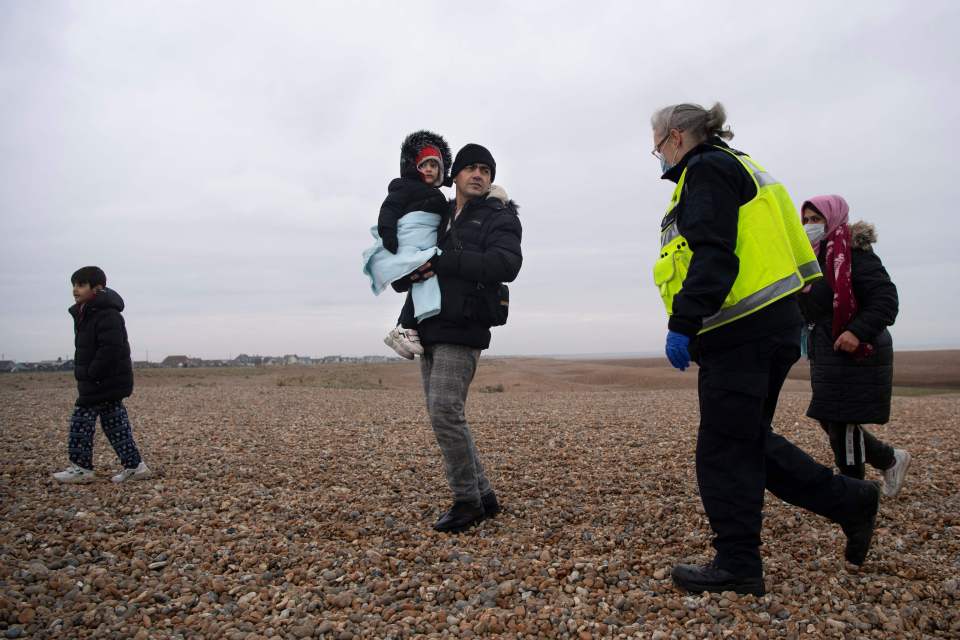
(417, 237)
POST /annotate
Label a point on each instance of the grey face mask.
(815, 232)
(664, 165)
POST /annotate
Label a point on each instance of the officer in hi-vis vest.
(732, 256)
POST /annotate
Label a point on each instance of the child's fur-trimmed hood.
(416, 141)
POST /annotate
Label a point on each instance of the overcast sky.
(223, 161)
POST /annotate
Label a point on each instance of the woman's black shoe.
(460, 517)
(697, 579)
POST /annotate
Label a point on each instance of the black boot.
(460, 517)
(697, 579)
(860, 530)
(490, 505)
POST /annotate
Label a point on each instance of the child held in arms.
(406, 234)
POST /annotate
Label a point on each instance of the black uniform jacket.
(715, 188)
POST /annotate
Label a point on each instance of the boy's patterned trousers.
(116, 425)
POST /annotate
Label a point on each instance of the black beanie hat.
(473, 154)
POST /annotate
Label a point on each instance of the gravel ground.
(288, 508)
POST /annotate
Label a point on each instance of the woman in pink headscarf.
(850, 349)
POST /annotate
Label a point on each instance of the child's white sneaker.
(894, 476)
(413, 338)
(142, 472)
(405, 344)
(74, 475)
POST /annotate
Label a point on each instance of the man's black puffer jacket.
(101, 362)
(846, 389)
(481, 250)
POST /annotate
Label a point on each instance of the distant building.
(214, 363)
(243, 360)
(52, 365)
(7, 366)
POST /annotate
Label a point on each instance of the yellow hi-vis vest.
(776, 258)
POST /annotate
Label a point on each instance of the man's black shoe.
(490, 505)
(460, 517)
(860, 531)
(697, 579)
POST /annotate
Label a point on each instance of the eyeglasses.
(656, 150)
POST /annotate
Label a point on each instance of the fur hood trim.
(862, 235)
(499, 193)
(416, 141)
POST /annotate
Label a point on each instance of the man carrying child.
(479, 241)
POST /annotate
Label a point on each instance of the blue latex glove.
(677, 352)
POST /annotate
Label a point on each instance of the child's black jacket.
(403, 196)
(101, 362)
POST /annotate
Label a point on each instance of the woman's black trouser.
(739, 456)
(853, 446)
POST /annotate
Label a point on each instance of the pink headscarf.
(834, 208)
(838, 265)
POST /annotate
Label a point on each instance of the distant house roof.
(176, 361)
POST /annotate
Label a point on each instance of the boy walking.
(104, 373)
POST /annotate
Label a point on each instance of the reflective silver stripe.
(668, 235)
(756, 300)
(809, 269)
(763, 178)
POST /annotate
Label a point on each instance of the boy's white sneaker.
(399, 339)
(74, 475)
(142, 472)
(894, 476)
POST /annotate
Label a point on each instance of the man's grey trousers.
(447, 371)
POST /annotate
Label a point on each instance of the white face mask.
(815, 232)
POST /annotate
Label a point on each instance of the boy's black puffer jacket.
(846, 389)
(101, 362)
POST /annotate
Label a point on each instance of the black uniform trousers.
(739, 455)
